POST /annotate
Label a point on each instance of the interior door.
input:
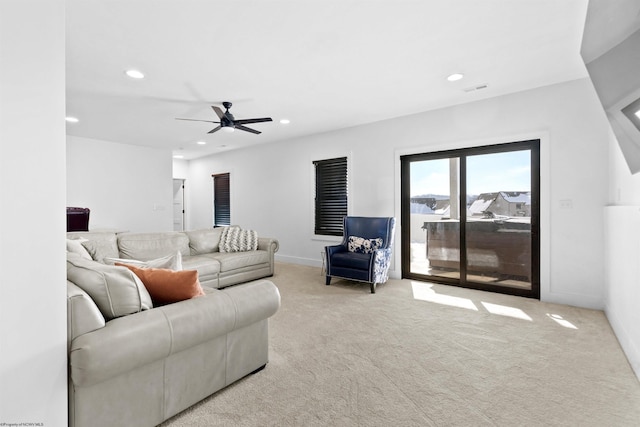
(473, 217)
(178, 205)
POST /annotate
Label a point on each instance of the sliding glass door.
(470, 217)
(435, 221)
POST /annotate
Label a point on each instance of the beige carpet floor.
(419, 354)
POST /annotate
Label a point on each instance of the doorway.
(471, 217)
(178, 205)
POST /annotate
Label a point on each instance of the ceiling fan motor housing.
(227, 120)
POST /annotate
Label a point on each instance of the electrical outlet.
(566, 204)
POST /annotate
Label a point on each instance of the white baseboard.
(318, 263)
(630, 348)
(576, 300)
(298, 260)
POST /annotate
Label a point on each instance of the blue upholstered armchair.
(365, 252)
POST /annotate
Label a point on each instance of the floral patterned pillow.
(362, 245)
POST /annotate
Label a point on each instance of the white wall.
(33, 331)
(180, 169)
(272, 185)
(623, 186)
(622, 228)
(615, 77)
(127, 188)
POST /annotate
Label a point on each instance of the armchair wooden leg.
(328, 280)
(373, 288)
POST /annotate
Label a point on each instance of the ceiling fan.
(229, 123)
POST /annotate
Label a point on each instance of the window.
(331, 196)
(221, 200)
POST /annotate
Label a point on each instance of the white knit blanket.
(235, 239)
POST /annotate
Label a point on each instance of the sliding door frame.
(533, 145)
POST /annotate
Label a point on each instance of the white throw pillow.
(171, 262)
(364, 246)
(100, 249)
(235, 239)
(75, 246)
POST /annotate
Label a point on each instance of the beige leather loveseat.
(133, 362)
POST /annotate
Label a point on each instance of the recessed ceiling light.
(178, 156)
(637, 113)
(285, 121)
(201, 143)
(135, 74)
(72, 119)
(455, 77)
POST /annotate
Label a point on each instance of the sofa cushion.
(351, 260)
(99, 244)
(236, 260)
(204, 241)
(168, 286)
(172, 262)
(147, 246)
(115, 290)
(208, 267)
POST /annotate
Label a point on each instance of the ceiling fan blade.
(215, 129)
(247, 121)
(246, 129)
(218, 111)
(196, 120)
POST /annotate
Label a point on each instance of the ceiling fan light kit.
(228, 123)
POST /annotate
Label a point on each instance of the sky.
(510, 171)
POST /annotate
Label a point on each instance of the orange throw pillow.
(167, 286)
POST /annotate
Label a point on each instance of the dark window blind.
(331, 196)
(221, 200)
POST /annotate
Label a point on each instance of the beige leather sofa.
(134, 364)
(199, 250)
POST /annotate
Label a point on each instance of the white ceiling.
(607, 24)
(324, 65)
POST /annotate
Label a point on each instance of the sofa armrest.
(83, 315)
(384, 253)
(199, 319)
(268, 244)
(254, 301)
(334, 250)
(122, 345)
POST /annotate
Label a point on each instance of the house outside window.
(331, 196)
(221, 200)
